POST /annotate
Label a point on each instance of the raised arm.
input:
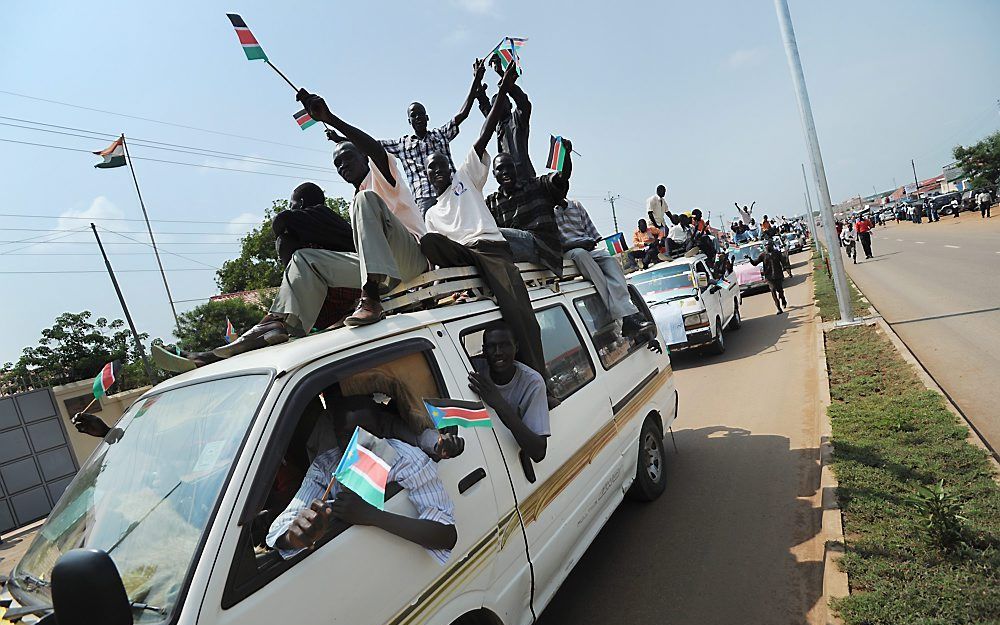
(521, 100)
(478, 71)
(318, 110)
(490, 125)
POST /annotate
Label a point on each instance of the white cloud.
(476, 6)
(746, 57)
(100, 208)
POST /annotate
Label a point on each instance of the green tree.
(75, 348)
(257, 266)
(204, 327)
(981, 161)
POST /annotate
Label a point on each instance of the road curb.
(835, 581)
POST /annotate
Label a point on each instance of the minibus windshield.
(147, 492)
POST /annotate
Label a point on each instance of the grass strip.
(826, 297)
(892, 435)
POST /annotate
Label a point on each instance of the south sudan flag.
(250, 46)
(557, 154)
(303, 119)
(616, 243)
(468, 414)
(106, 378)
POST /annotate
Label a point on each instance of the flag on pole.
(106, 378)
(113, 155)
(303, 119)
(363, 467)
(557, 153)
(506, 51)
(468, 414)
(250, 46)
(616, 243)
(230, 331)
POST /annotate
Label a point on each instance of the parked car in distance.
(749, 277)
(690, 307)
(942, 203)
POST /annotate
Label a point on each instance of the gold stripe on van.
(535, 504)
(532, 507)
(477, 555)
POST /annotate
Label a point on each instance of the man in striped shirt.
(308, 518)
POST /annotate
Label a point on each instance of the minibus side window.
(566, 359)
(612, 347)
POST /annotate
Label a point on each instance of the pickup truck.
(690, 307)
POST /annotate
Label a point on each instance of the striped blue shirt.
(413, 470)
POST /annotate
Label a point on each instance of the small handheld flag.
(250, 46)
(557, 153)
(364, 467)
(448, 412)
(616, 243)
(506, 51)
(106, 378)
(230, 331)
(113, 155)
(303, 119)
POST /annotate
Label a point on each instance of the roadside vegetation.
(826, 297)
(920, 504)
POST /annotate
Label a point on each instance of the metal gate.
(36, 461)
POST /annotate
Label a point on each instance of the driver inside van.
(307, 519)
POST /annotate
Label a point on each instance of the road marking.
(920, 242)
(899, 239)
(954, 247)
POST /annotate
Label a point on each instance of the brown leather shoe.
(270, 331)
(369, 311)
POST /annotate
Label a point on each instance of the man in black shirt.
(774, 274)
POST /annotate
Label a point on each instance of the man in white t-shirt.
(462, 231)
(657, 209)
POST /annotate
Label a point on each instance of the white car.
(690, 307)
(176, 505)
(794, 241)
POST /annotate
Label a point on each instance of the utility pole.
(149, 229)
(611, 200)
(128, 316)
(916, 183)
(812, 220)
(815, 160)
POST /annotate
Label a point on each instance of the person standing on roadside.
(864, 229)
(657, 209)
(956, 207)
(984, 200)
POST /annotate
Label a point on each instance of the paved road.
(733, 538)
(938, 285)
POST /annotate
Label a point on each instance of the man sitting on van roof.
(580, 239)
(463, 232)
(515, 392)
(307, 519)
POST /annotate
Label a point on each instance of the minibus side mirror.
(87, 589)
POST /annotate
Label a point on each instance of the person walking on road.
(774, 274)
(863, 228)
(849, 243)
(956, 208)
(984, 200)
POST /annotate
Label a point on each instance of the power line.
(55, 242)
(157, 160)
(164, 251)
(158, 121)
(170, 221)
(98, 254)
(99, 271)
(52, 239)
(158, 145)
(213, 233)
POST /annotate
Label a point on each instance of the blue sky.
(696, 96)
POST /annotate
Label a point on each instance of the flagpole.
(271, 65)
(128, 316)
(149, 229)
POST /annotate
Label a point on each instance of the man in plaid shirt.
(580, 240)
(414, 149)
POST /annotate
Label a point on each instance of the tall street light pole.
(812, 220)
(815, 160)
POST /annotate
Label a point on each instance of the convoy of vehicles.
(180, 501)
(691, 308)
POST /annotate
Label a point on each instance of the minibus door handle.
(469, 480)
